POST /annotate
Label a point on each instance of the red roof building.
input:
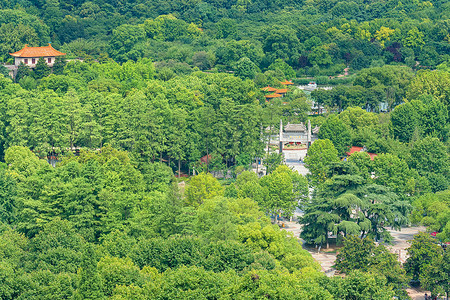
(273, 96)
(268, 89)
(286, 82)
(354, 149)
(281, 91)
(30, 55)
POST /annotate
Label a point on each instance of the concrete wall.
(18, 60)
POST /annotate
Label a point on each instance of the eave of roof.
(273, 96)
(268, 89)
(46, 51)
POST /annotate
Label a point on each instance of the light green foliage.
(360, 285)
(436, 276)
(422, 252)
(8, 198)
(435, 83)
(429, 155)
(123, 41)
(433, 211)
(362, 161)
(280, 197)
(90, 285)
(337, 132)
(59, 239)
(393, 172)
(320, 155)
(117, 271)
(349, 203)
(201, 187)
(281, 65)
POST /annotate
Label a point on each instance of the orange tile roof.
(273, 96)
(281, 91)
(354, 149)
(269, 89)
(286, 82)
(46, 51)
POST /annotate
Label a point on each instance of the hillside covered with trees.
(149, 89)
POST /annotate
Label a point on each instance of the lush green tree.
(245, 68)
(272, 161)
(58, 65)
(226, 28)
(282, 66)
(422, 252)
(429, 155)
(337, 132)
(201, 187)
(280, 196)
(123, 42)
(41, 69)
(22, 71)
(364, 255)
(90, 285)
(435, 83)
(320, 155)
(404, 122)
(8, 196)
(281, 42)
(436, 276)
(361, 285)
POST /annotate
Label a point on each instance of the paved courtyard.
(326, 257)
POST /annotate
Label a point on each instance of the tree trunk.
(179, 168)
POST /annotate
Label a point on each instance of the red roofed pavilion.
(281, 91)
(268, 89)
(273, 96)
(360, 149)
(30, 55)
(286, 82)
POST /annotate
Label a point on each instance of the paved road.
(326, 260)
(292, 159)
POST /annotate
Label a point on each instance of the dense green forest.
(148, 88)
(313, 37)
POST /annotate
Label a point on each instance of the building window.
(25, 61)
(49, 60)
(33, 61)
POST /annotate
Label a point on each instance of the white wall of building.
(29, 61)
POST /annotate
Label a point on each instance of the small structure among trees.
(31, 55)
(34, 57)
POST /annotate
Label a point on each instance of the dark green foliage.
(58, 65)
(364, 255)
(41, 69)
(111, 223)
(22, 71)
(8, 198)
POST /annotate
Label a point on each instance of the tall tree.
(337, 132)
(320, 155)
(41, 69)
